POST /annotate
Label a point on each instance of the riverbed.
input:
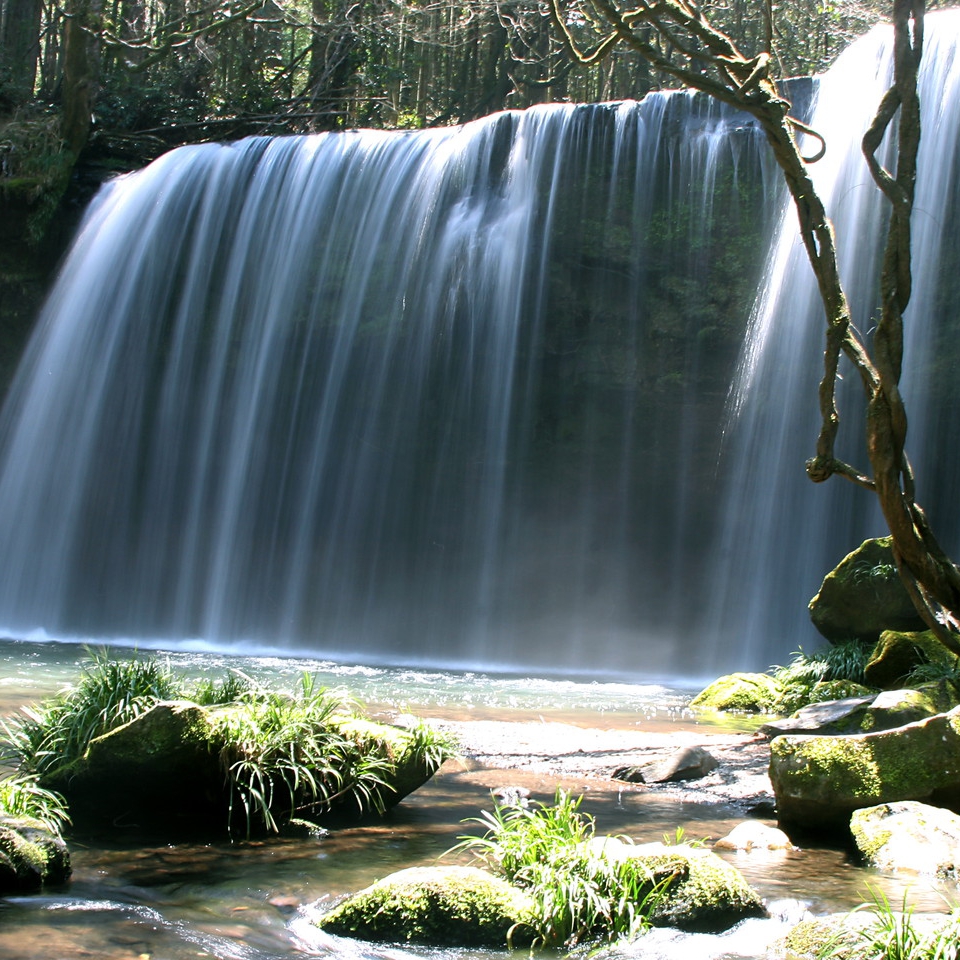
(255, 900)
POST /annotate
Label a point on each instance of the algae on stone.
(820, 780)
(744, 692)
(436, 906)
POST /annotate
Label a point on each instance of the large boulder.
(161, 769)
(863, 596)
(436, 906)
(162, 773)
(909, 836)
(741, 692)
(819, 781)
(31, 856)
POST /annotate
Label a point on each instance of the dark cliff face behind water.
(452, 397)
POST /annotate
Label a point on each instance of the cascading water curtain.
(783, 533)
(441, 397)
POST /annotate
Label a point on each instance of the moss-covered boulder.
(31, 856)
(161, 770)
(436, 906)
(741, 692)
(863, 596)
(909, 837)
(167, 772)
(898, 653)
(706, 894)
(819, 781)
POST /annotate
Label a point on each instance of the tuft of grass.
(579, 893)
(22, 796)
(283, 757)
(229, 689)
(893, 935)
(841, 662)
(108, 694)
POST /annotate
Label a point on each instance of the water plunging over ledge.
(457, 398)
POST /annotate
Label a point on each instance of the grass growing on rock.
(578, 893)
(286, 758)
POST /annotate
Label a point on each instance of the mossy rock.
(706, 895)
(898, 653)
(820, 780)
(809, 939)
(863, 596)
(908, 836)
(436, 906)
(894, 708)
(740, 692)
(159, 772)
(31, 856)
(162, 773)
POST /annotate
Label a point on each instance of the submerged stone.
(436, 906)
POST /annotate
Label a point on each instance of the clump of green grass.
(22, 796)
(842, 662)
(579, 894)
(893, 935)
(108, 694)
(284, 755)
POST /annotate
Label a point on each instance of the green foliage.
(934, 671)
(800, 678)
(229, 689)
(579, 893)
(284, 756)
(108, 694)
(892, 935)
(22, 796)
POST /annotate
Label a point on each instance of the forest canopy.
(181, 70)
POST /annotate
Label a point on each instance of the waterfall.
(783, 533)
(432, 397)
(459, 397)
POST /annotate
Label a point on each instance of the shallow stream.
(255, 900)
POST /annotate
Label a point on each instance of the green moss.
(440, 906)
(744, 692)
(707, 895)
(827, 777)
(30, 855)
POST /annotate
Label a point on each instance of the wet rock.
(687, 763)
(743, 692)
(832, 716)
(818, 781)
(707, 894)
(31, 856)
(863, 596)
(435, 906)
(909, 836)
(749, 836)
